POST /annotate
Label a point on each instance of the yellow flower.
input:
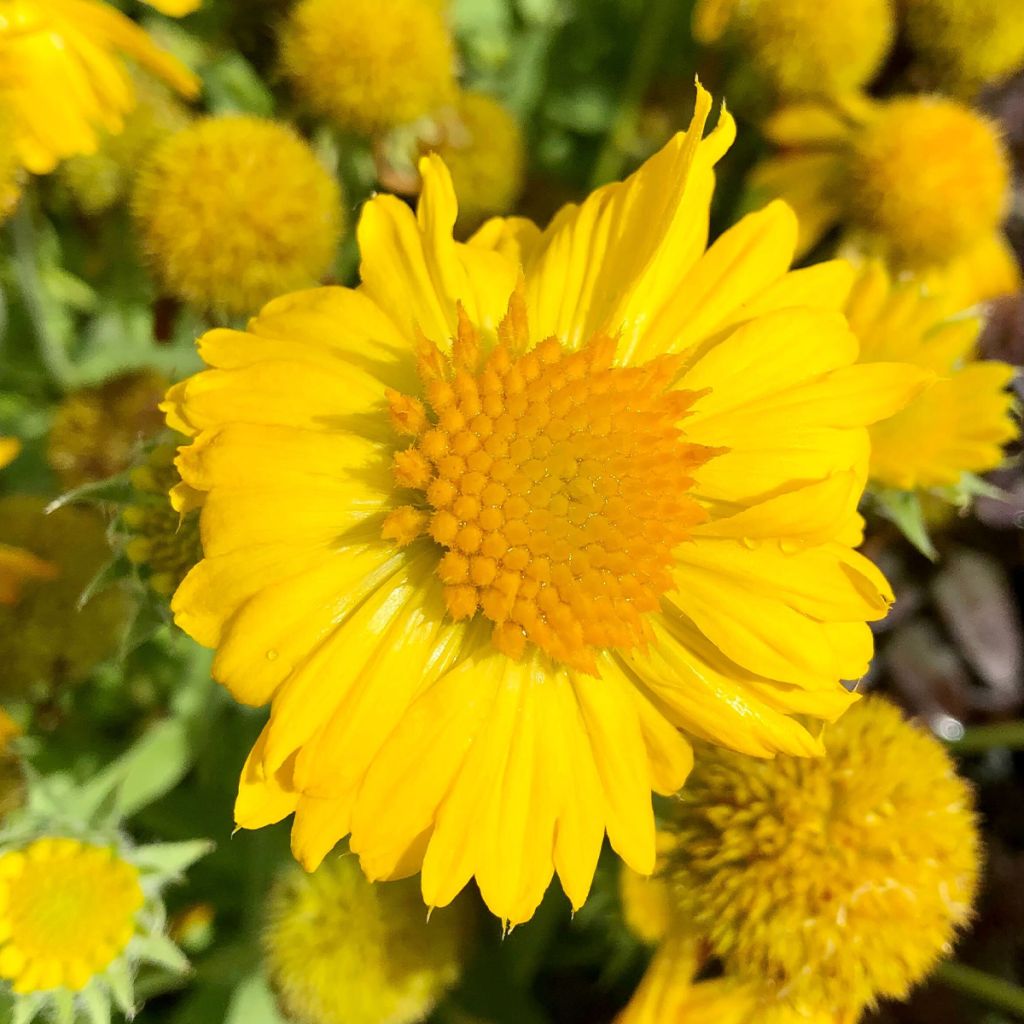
(104, 178)
(483, 148)
(524, 507)
(803, 47)
(17, 566)
(96, 431)
(80, 906)
(340, 950)
(68, 912)
(46, 640)
(831, 883)
(959, 424)
(234, 210)
(63, 75)
(963, 44)
(366, 68)
(920, 181)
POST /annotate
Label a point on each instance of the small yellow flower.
(920, 181)
(64, 78)
(234, 210)
(68, 911)
(340, 950)
(483, 148)
(17, 566)
(803, 47)
(160, 540)
(104, 178)
(962, 421)
(829, 883)
(46, 641)
(525, 507)
(369, 68)
(96, 431)
(964, 44)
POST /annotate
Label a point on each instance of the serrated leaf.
(253, 1003)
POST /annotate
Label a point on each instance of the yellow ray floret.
(522, 509)
(63, 75)
(959, 424)
(922, 182)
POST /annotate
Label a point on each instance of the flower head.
(340, 950)
(46, 640)
(801, 47)
(80, 904)
(17, 566)
(64, 78)
(963, 44)
(96, 431)
(368, 70)
(526, 506)
(836, 881)
(482, 146)
(234, 210)
(921, 181)
(962, 421)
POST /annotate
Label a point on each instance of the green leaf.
(27, 1008)
(160, 950)
(904, 509)
(97, 1004)
(253, 1003)
(231, 84)
(172, 859)
(64, 1006)
(120, 981)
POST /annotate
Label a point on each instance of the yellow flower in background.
(525, 507)
(17, 566)
(802, 47)
(340, 950)
(920, 181)
(959, 424)
(483, 148)
(234, 210)
(63, 74)
(68, 912)
(825, 884)
(646, 900)
(366, 68)
(964, 44)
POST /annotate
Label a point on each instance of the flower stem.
(26, 268)
(654, 29)
(985, 988)
(979, 738)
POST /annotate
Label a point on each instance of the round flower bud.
(234, 211)
(341, 950)
(366, 68)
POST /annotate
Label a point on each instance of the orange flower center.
(556, 482)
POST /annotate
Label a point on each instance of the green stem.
(654, 28)
(985, 988)
(979, 738)
(51, 351)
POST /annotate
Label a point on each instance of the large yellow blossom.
(919, 181)
(490, 529)
(63, 76)
(959, 424)
(17, 565)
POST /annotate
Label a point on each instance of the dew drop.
(271, 655)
